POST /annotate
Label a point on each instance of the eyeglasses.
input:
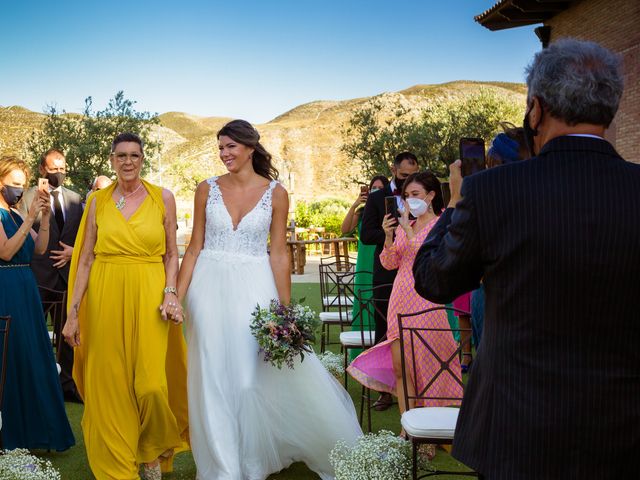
(122, 157)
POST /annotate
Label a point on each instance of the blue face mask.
(12, 195)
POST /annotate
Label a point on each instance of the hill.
(305, 141)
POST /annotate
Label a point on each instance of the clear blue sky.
(252, 59)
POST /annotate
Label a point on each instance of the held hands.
(171, 309)
(455, 183)
(61, 257)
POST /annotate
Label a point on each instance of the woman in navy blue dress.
(33, 414)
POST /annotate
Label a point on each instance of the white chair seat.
(354, 339)
(430, 422)
(334, 317)
(332, 301)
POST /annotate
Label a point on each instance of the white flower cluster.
(333, 362)
(19, 464)
(375, 456)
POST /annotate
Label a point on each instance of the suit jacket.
(554, 390)
(372, 233)
(46, 274)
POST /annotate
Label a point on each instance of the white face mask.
(417, 206)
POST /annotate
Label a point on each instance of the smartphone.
(446, 193)
(472, 155)
(364, 190)
(43, 185)
(391, 206)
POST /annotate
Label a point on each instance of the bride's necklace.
(122, 201)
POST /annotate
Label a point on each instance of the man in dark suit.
(404, 164)
(52, 269)
(553, 393)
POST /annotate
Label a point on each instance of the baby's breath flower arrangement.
(375, 456)
(333, 362)
(284, 332)
(19, 464)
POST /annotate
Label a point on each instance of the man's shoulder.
(71, 194)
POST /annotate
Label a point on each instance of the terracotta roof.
(516, 13)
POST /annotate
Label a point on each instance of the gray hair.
(577, 81)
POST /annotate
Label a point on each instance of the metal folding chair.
(54, 304)
(365, 339)
(435, 425)
(336, 304)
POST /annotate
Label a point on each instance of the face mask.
(56, 179)
(12, 195)
(399, 182)
(374, 190)
(417, 206)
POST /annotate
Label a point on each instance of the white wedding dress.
(248, 419)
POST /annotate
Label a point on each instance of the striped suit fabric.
(554, 392)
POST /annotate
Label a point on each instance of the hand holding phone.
(472, 155)
(391, 206)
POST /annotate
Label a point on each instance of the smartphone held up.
(391, 206)
(472, 155)
(43, 185)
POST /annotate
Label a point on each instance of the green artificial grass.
(73, 464)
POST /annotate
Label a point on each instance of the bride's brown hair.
(244, 133)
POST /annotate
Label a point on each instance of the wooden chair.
(435, 425)
(54, 304)
(5, 323)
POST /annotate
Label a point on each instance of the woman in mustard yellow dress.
(130, 361)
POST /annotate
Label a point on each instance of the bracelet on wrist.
(170, 290)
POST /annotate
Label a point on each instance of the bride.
(248, 419)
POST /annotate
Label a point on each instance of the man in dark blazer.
(554, 391)
(371, 233)
(52, 269)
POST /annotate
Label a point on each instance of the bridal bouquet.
(284, 331)
(19, 464)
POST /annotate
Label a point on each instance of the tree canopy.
(86, 138)
(378, 131)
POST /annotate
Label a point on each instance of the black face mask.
(56, 179)
(12, 195)
(399, 182)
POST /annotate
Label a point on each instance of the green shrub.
(327, 213)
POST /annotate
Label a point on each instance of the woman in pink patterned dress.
(379, 368)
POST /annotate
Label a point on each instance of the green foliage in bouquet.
(19, 464)
(375, 456)
(284, 332)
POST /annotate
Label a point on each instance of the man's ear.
(535, 113)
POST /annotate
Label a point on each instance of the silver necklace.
(122, 201)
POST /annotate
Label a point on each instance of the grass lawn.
(73, 465)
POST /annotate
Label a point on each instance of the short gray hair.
(578, 81)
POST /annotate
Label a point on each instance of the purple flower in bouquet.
(284, 332)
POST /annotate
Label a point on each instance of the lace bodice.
(250, 235)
